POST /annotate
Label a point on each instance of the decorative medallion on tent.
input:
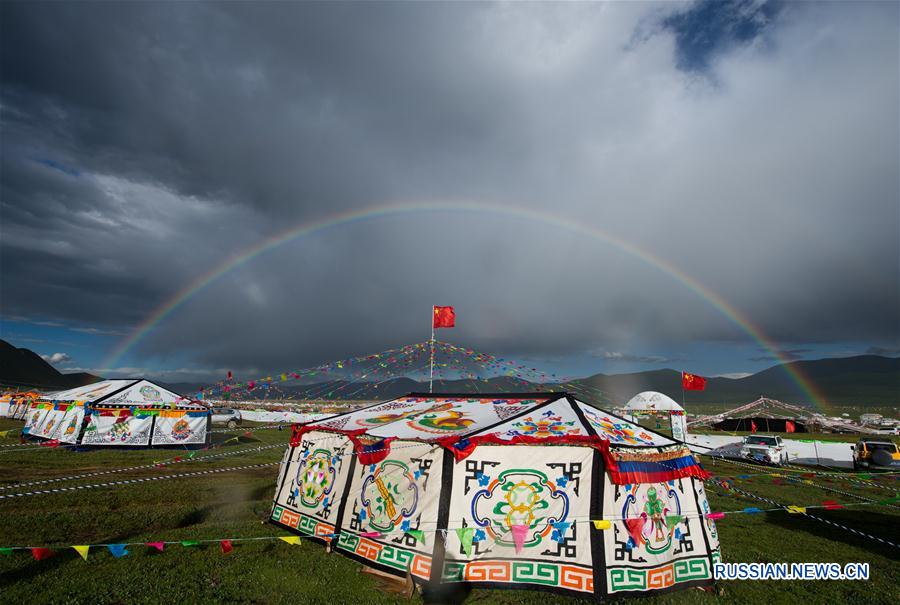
(315, 478)
(441, 420)
(519, 498)
(120, 430)
(149, 393)
(547, 424)
(181, 430)
(389, 495)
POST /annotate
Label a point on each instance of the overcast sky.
(751, 145)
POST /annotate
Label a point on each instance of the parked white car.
(227, 416)
(765, 448)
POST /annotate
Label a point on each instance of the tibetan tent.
(509, 491)
(657, 404)
(16, 405)
(651, 401)
(119, 413)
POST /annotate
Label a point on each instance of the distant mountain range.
(25, 368)
(865, 380)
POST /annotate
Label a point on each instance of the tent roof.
(652, 401)
(431, 417)
(124, 393)
(90, 392)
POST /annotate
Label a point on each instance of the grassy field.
(236, 504)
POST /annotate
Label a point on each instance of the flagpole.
(431, 372)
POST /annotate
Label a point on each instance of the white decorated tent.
(126, 412)
(652, 402)
(532, 490)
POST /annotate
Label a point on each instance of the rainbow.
(345, 218)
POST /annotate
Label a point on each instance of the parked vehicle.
(227, 416)
(872, 453)
(765, 448)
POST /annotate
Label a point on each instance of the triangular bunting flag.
(601, 524)
(797, 510)
(290, 539)
(465, 535)
(417, 534)
(189, 543)
(157, 545)
(635, 527)
(519, 532)
(226, 546)
(40, 554)
(117, 550)
(82, 550)
(6, 551)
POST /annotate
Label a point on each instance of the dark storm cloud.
(753, 145)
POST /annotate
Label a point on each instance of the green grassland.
(236, 504)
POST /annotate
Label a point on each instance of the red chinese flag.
(444, 317)
(789, 426)
(692, 382)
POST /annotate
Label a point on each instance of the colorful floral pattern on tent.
(620, 431)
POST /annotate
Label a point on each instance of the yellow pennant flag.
(601, 524)
(796, 510)
(82, 550)
(283, 377)
(3, 434)
(290, 539)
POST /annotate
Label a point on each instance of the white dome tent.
(653, 403)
